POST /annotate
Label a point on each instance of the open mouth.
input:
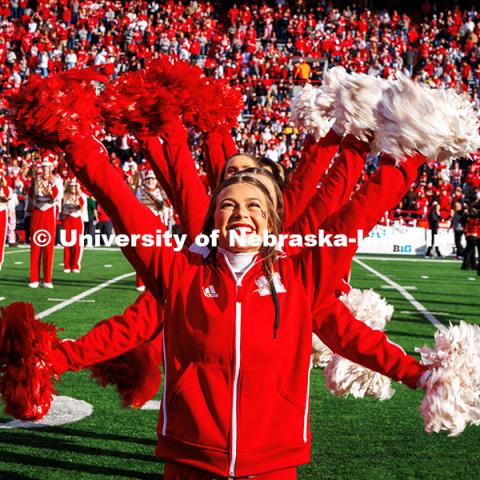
(241, 228)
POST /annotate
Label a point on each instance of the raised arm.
(336, 186)
(190, 197)
(152, 148)
(302, 184)
(322, 268)
(215, 156)
(88, 159)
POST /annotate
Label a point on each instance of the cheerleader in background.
(74, 202)
(43, 195)
(5, 196)
(150, 195)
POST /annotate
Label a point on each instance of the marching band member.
(5, 196)
(73, 203)
(150, 195)
(43, 195)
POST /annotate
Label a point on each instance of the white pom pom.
(345, 377)
(321, 354)
(369, 307)
(357, 98)
(464, 126)
(305, 114)
(327, 94)
(412, 117)
(452, 392)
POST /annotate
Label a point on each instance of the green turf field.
(353, 439)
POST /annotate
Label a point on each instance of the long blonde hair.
(275, 223)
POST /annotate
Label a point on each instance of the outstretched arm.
(352, 339)
(111, 337)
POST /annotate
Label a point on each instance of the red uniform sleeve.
(191, 196)
(111, 337)
(153, 150)
(214, 157)
(88, 159)
(322, 267)
(352, 339)
(336, 187)
(302, 184)
(229, 146)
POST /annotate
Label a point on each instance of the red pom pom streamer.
(217, 106)
(26, 373)
(143, 102)
(47, 111)
(136, 374)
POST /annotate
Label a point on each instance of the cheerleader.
(5, 196)
(43, 196)
(74, 202)
(226, 400)
(150, 195)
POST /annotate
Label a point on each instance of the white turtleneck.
(239, 262)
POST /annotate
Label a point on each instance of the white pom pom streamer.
(305, 114)
(464, 124)
(325, 101)
(369, 307)
(452, 392)
(355, 105)
(344, 377)
(321, 354)
(347, 378)
(439, 124)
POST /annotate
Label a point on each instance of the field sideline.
(353, 439)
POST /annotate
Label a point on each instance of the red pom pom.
(218, 105)
(46, 111)
(136, 374)
(26, 381)
(143, 102)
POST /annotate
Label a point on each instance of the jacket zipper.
(164, 397)
(238, 331)
(237, 358)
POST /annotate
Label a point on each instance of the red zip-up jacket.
(235, 401)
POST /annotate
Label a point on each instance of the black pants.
(458, 243)
(469, 253)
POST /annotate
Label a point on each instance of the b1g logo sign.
(402, 249)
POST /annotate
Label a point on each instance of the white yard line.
(65, 299)
(428, 315)
(391, 287)
(403, 259)
(82, 295)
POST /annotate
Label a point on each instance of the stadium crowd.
(269, 50)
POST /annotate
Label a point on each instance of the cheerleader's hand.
(452, 381)
(27, 372)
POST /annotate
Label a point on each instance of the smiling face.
(150, 183)
(238, 163)
(242, 208)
